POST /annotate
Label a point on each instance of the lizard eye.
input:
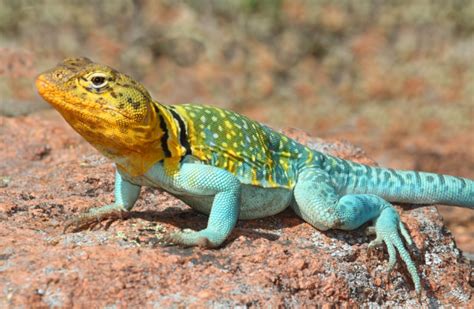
(98, 80)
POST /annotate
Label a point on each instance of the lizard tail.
(406, 186)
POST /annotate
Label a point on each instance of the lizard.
(230, 167)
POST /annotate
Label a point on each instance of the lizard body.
(230, 167)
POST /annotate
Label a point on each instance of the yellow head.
(109, 109)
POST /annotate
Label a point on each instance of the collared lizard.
(230, 167)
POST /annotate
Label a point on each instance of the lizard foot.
(387, 228)
(94, 217)
(189, 238)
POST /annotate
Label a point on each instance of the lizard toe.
(370, 231)
(387, 227)
(190, 238)
(91, 220)
(375, 243)
(187, 238)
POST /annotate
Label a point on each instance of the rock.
(276, 261)
(14, 108)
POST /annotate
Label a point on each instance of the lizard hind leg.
(318, 203)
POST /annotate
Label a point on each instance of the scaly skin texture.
(230, 167)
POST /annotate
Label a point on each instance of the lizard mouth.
(117, 111)
(42, 85)
(47, 90)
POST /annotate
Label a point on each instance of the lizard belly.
(256, 202)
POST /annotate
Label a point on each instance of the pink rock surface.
(48, 173)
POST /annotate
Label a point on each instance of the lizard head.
(94, 92)
(109, 109)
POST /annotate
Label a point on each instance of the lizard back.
(253, 152)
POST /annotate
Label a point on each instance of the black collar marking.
(164, 138)
(183, 134)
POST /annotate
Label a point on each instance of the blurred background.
(395, 77)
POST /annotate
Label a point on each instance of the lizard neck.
(142, 147)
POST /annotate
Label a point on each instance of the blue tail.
(405, 186)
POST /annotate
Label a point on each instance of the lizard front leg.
(204, 180)
(319, 204)
(126, 194)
